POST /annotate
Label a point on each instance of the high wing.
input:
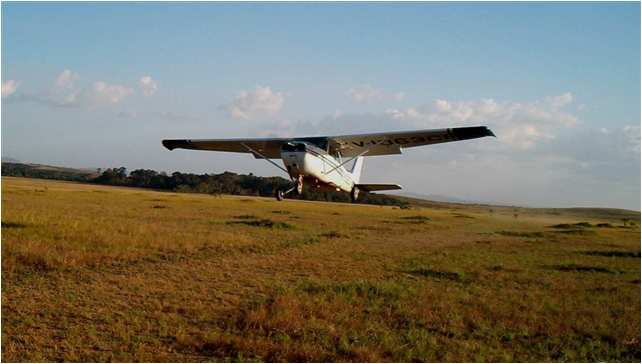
(394, 142)
(347, 145)
(268, 147)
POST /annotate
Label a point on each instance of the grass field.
(94, 273)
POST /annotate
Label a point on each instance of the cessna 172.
(320, 161)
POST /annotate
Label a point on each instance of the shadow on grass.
(415, 218)
(581, 268)
(521, 234)
(436, 274)
(13, 225)
(333, 235)
(575, 232)
(614, 253)
(266, 223)
(463, 216)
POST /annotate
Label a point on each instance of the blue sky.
(98, 85)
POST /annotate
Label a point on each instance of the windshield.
(293, 147)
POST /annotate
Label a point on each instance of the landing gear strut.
(280, 194)
(354, 194)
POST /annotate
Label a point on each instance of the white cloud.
(9, 87)
(364, 93)
(561, 100)
(632, 135)
(66, 79)
(100, 93)
(103, 93)
(251, 104)
(517, 124)
(148, 85)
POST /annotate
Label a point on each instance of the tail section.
(356, 169)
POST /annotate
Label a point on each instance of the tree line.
(215, 184)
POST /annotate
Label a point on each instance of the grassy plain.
(95, 273)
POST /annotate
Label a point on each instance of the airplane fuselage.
(317, 168)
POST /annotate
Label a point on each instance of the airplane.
(320, 161)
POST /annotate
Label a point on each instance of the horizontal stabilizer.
(369, 187)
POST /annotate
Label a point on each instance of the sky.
(99, 85)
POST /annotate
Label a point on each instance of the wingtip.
(490, 132)
(168, 144)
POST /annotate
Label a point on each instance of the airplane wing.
(269, 147)
(393, 142)
(347, 145)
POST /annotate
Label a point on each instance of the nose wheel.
(279, 194)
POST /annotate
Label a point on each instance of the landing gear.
(354, 194)
(299, 185)
(280, 194)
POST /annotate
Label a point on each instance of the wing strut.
(348, 161)
(264, 157)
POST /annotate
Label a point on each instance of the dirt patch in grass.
(33, 262)
(13, 225)
(159, 207)
(581, 268)
(265, 223)
(614, 253)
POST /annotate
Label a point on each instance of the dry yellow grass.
(94, 273)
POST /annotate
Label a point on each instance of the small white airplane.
(320, 161)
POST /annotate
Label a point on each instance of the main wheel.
(354, 194)
(278, 194)
(299, 185)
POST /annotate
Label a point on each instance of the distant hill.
(9, 160)
(47, 172)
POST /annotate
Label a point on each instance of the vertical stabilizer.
(356, 169)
